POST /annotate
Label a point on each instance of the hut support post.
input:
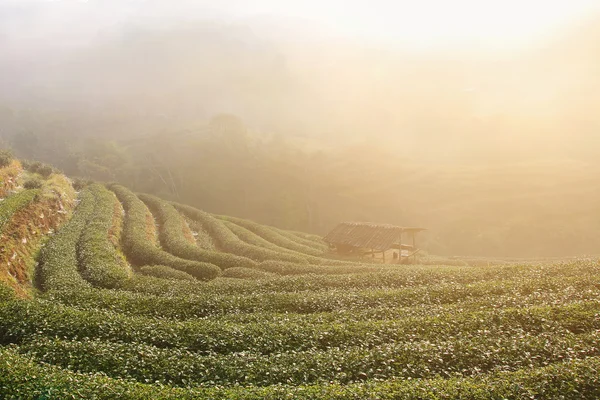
(414, 244)
(400, 251)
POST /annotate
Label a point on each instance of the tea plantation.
(129, 296)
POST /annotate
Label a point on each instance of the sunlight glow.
(434, 23)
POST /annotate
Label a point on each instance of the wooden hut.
(364, 238)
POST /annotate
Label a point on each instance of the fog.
(491, 141)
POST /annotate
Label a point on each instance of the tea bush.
(22, 378)
(174, 241)
(100, 262)
(140, 252)
(229, 242)
(57, 262)
(162, 271)
(276, 237)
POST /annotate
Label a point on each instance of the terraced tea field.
(128, 296)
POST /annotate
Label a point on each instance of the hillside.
(510, 208)
(107, 294)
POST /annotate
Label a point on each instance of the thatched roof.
(367, 235)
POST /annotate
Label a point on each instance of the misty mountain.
(166, 76)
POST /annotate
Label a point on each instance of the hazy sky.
(407, 23)
(430, 22)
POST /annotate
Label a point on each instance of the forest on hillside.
(526, 209)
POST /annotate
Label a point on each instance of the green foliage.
(246, 273)
(28, 164)
(287, 268)
(253, 239)
(99, 261)
(58, 263)
(357, 278)
(21, 378)
(173, 240)
(6, 157)
(141, 252)
(409, 331)
(81, 183)
(203, 239)
(460, 345)
(332, 268)
(306, 238)
(37, 167)
(164, 272)
(286, 241)
(322, 322)
(286, 255)
(45, 171)
(33, 183)
(6, 293)
(10, 205)
(228, 241)
(464, 356)
(425, 285)
(254, 297)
